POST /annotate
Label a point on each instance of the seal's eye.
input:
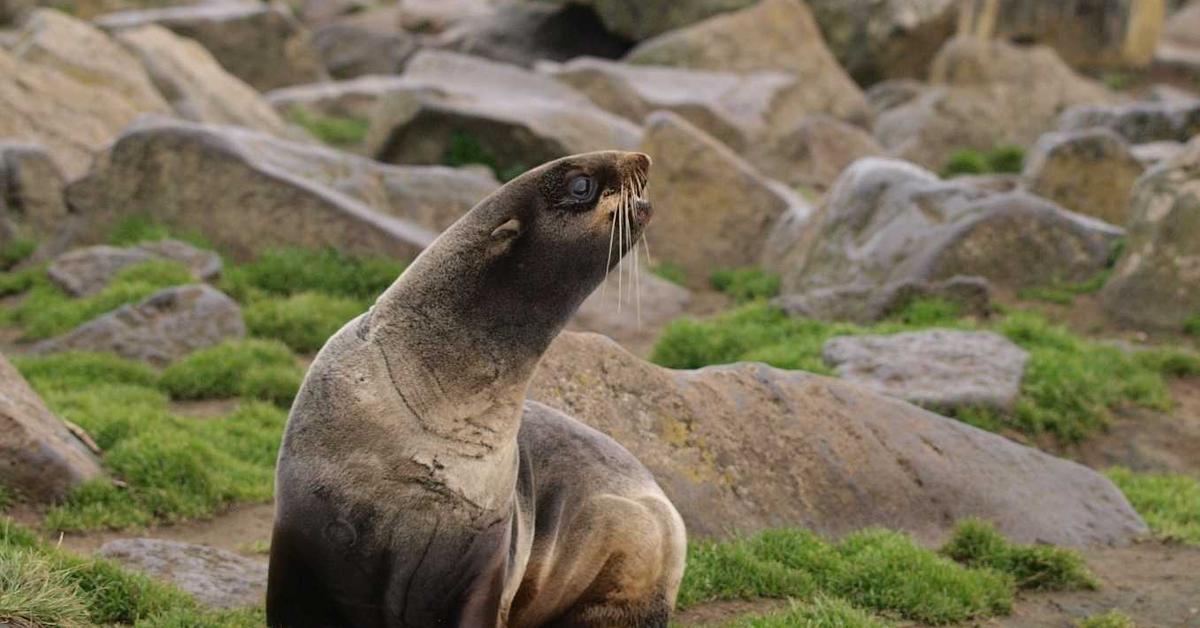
(582, 188)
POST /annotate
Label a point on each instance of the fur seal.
(417, 487)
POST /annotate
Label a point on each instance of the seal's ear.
(508, 230)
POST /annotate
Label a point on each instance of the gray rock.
(814, 152)
(642, 19)
(351, 99)
(435, 16)
(353, 47)
(262, 44)
(213, 576)
(31, 197)
(935, 368)
(1156, 284)
(1140, 122)
(888, 221)
(40, 459)
(520, 118)
(745, 447)
(1090, 172)
(882, 39)
(86, 271)
(200, 177)
(164, 327)
(870, 304)
(1154, 153)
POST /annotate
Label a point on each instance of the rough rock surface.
(936, 368)
(642, 19)
(352, 48)
(1139, 122)
(39, 457)
(712, 208)
(1156, 284)
(1090, 172)
(523, 33)
(247, 191)
(351, 99)
(518, 118)
(436, 16)
(745, 447)
(31, 196)
(70, 118)
(881, 39)
(869, 304)
(88, 270)
(1154, 153)
(773, 35)
(886, 221)
(262, 44)
(81, 51)
(164, 327)
(1020, 92)
(213, 576)
(195, 84)
(814, 152)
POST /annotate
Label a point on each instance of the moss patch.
(745, 284)
(252, 369)
(1170, 504)
(16, 251)
(1002, 159)
(1111, 619)
(333, 130)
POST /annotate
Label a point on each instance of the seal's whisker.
(620, 247)
(612, 232)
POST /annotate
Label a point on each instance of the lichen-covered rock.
(89, 270)
(1156, 284)
(213, 576)
(1090, 172)
(881, 39)
(516, 118)
(164, 327)
(763, 448)
(1019, 92)
(642, 19)
(1139, 122)
(936, 368)
(773, 35)
(31, 197)
(40, 459)
(195, 84)
(248, 191)
(888, 221)
(713, 209)
(262, 44)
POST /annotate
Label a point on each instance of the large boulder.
(773, 35)
(247, 192)
(40, 459)
(72, 119)
(514, 118)
(882, 39)
(523, 33)
(1139, 122)
(936, 368)
(195, 84)
(1090, 172)
(746, 447)
(1019, 92)
(213, 576)
(164, 327)
(262, 44)
(887, 221)
(31, 195)
(89, 270)
(1156, 284)
(81, 51)
(362, 45)
(643, 19)
(352, 99)
(712, 208)
(814, 152)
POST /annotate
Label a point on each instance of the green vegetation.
(1170, 504)
(251, 369)
(1070, 388)
(822, 612)
(19, 281)
(6, 498)
(1003, 159)
(333, 130)
(136, 229)
(745, 284)
(286, 272)
(48, 588)
(1117, 80)
(466, 149)
(303, 321)
(1064, 293)
(48, 311)
(1191, 327)
(1111, 619)
(978, 544)
(672, 272)
(16, 251)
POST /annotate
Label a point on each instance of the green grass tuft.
(333, 130)
(16, 251)
(874, 570)
(1170, 504)
(1065, 293)
(978, 544)
(1191, 327)
(6, 498)
(19, 281)
(75, 370)
(252, 369)
(822, 612)
(672, 272)
(48, 311)
(745, 284)
(34, 593)
(303, 321)
(1006, 159)
(965, 161)
(467, 150)
(285, 272)
(1111, 619)
(136, 229)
